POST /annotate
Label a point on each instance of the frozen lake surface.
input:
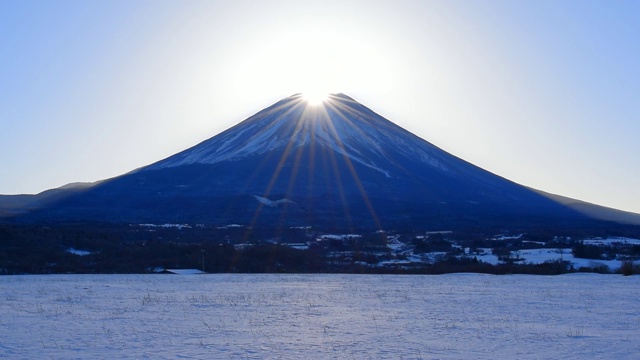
(230, 316)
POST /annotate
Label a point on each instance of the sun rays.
(315, 98)
(315, 156)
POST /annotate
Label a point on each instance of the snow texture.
(341, 125)
(78, 252)
(538, 256)
(612, 241)
(339, 237)
(177, 226)
(231, 316)
(271, 203)
(185, 271)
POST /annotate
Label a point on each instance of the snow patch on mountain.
(272, 203)
(78, 252)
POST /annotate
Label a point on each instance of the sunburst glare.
(315, 98)
(315, 146)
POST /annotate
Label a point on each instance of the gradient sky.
(544, 93)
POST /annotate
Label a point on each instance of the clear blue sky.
(545, 93)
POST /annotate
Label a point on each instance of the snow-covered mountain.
(341, 125)
(333, 165)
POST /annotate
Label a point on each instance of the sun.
(315, 98)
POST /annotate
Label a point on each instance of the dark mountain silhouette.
(337, 165)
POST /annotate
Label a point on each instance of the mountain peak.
(339, 124)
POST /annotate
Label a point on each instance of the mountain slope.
(334, 166)
(341, 125)
(22, 203)
(594, 211)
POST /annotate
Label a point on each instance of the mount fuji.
(335, 165)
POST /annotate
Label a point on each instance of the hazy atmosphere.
(544, 93)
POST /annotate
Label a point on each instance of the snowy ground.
(577, 316)
(612, 241)
(538, 256)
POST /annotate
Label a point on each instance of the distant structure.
(183, 271)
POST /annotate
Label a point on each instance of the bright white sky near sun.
(544, 93)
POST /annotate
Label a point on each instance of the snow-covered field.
(538, 256)
(470, 316)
